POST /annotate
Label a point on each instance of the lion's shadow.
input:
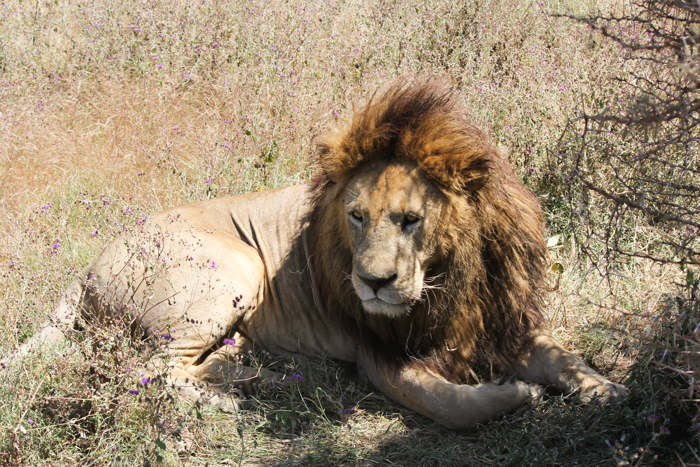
(341, 419)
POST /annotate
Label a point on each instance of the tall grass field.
(113, 110)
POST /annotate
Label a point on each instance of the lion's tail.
(63, 319)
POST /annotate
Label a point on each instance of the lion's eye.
(409, 220)
(357, 215)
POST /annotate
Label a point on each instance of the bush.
(632, 179)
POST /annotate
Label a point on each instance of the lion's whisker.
(430, 279)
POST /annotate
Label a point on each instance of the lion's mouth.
(387, 301)
(378, 306)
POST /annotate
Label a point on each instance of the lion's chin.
(377, 306)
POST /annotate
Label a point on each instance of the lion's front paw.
(602, 392)
(530, 392)
(527, 392)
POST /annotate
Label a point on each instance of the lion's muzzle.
(376, 283)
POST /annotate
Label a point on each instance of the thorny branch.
(635, 165)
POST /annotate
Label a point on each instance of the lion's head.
(427, 244)
(391, 211)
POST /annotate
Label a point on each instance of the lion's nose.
(377, 283)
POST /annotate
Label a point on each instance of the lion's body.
(416, 254)
(248, 248)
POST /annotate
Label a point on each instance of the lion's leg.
(234, 290)
(187, 290)
(454, 406)
(220, 371)
(220, 378)
(551, 364)
(64, 318)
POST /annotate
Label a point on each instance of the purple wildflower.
(134, 392)
(230, 341)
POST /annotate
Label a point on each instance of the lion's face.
(391, 212)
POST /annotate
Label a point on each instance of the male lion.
(416, 253)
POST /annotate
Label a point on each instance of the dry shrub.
(633, 173)
(94, 403)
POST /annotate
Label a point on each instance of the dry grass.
(112, 110)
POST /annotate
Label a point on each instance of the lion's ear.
(336, 154)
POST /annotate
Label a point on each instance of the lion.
(415, 253)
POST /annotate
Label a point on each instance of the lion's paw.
(530, 392)
(526, 392)
(228, 402)
(601, 392)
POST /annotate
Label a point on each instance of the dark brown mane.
(492, 236)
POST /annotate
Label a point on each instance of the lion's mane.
(490, 270)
